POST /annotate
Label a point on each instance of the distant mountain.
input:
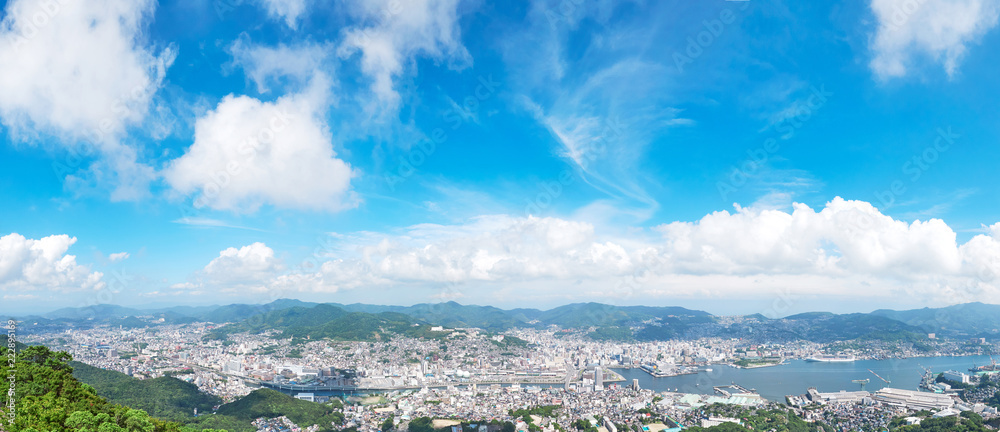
(101, 311)
(239, 312)
(452, 314)
(810, 315)
(597, 314)
(969, 319)
(827, 327)
(329, 322)
(629, 322)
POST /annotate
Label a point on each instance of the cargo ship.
(830, 359)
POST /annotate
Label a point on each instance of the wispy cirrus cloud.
(604, 115)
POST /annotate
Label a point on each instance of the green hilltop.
(56, 394)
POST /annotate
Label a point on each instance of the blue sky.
(737, 157)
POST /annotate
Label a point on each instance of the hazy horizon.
(773, 311)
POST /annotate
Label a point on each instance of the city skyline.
(513, 155)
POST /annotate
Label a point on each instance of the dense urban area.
(528, 379)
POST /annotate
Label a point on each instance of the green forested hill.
(329, 322)
(272, 403)
(52, 396)
(165, 397)
(49, 399)
(969, 319)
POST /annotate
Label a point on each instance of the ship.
(990, 368)
(830, 359)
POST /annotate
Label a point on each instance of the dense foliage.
(775, 420)
(51, 396)
(612, 333)
(165, 397)
(49, 399)
(965, 423)
(271, 403)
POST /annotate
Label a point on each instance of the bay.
(796, 376)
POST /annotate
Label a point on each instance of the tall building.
(598, 379)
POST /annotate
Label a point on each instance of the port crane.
(862, 382)
(880, 377)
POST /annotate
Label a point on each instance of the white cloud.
(844, 238)
(266, 66)
(496, 248)
(83, 72)
(251, 268)
(845, 248)
(247, 153)
(394, 32)
(120, 256)
(249, 264)
(289, 10)
(29, 264)
(939, 29)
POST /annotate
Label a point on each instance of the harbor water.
(774, 382)
(796, 376)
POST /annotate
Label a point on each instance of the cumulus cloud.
(83, 73)
(248, 264)
(247, 153)
(844, 238)
(253, 267)
(939, 29)
(396, 31)
(489, 248)
(30, 264)
(847, 248)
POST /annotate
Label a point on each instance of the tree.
(421, 424)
